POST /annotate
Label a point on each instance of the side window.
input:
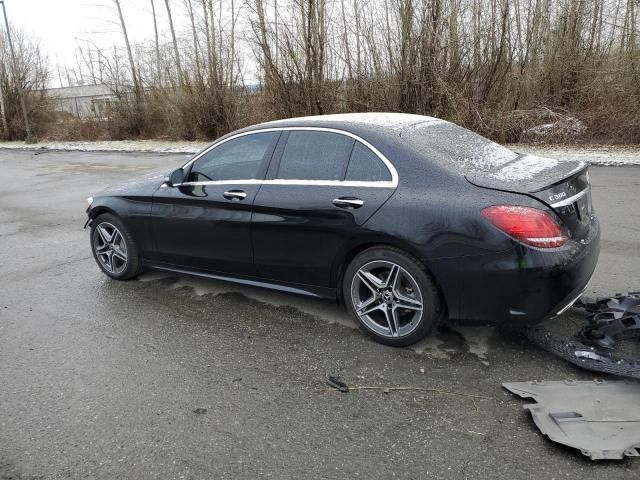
(237, 159)
(310, 155)
(365, 166)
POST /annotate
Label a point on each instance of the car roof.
(392, 122)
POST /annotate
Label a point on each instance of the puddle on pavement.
(478, 340)
(440, 344)
(433, 346)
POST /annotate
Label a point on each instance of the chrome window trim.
(335, 183)
(343, 183)
(570, 200)
(248, 181)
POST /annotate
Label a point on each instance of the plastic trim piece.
(317, 292)
(601, 419)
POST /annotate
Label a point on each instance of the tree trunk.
(175, 43)
(136, 85)
(156, 43)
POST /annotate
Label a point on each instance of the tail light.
(527, 225)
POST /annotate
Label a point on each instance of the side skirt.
(307, 290)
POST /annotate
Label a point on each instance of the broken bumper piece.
(582, 355)
(609, 321)
(601, 419)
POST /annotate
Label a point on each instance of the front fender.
(135, 214)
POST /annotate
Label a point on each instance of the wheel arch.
(99, 210)
(115, 206)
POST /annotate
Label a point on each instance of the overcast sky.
(61, 24)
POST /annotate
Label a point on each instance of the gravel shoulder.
(605, 155)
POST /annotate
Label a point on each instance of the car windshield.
(456, 147)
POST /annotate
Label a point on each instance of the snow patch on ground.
(155, 146)
(565, 128)
(604, 155)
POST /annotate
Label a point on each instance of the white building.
(84, 101)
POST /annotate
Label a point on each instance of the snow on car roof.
(392, 120)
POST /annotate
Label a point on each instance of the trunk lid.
(561, 185)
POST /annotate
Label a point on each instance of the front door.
(205, 223)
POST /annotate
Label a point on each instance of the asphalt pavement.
(174, 377)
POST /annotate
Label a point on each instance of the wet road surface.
(177, 377)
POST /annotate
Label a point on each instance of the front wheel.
(114, 249)
(391, 296)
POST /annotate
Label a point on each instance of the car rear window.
(456, 147)
(312, 155)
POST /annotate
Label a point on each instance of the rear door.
(321, 187)
(205, 223)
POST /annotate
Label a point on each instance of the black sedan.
(407, 220)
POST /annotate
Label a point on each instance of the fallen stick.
(420, 389)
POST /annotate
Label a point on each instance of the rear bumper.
(521, 286)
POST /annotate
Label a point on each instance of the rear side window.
(237, 159)
(315, 156)
(365, 166)
(455, 147)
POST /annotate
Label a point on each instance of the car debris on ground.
(337, 383)
(601, 419)
(610, 320)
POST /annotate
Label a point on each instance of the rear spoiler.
(528, 174)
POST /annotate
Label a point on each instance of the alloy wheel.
(110, 248)
(387, 298)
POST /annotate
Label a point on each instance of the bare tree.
(496, 66)
(134, 75)
(23, 75)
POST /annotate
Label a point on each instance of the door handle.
(235, 195)
(348, 202)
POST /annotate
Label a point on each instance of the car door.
(205, 222)
(321, 187)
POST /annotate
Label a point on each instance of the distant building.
(84, 101)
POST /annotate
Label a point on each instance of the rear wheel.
(391, 296)
(113, 248)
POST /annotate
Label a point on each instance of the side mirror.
(175, 178)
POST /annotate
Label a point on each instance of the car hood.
(143, 185)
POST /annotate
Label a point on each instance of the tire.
(120, 251)
(386, 313)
